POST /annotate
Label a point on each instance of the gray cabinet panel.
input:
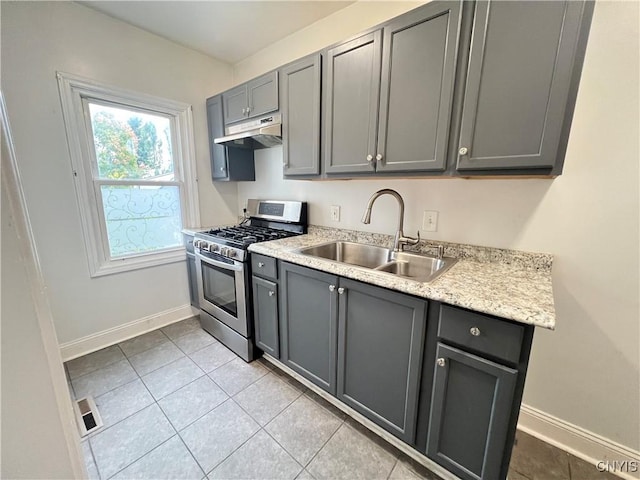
(518, 83)
(227, 163)
(351, 104)
(301, 116)
(308, 324)
(380, 339)
(418, 66)
(235, 104)
(263, 94)
(472, 401)
(265, 314)
(193, 280)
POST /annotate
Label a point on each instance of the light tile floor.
(178, 404)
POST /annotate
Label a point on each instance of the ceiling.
(228, 30)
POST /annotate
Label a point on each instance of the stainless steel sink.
(418, 267)
(368, 256)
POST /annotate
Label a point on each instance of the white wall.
(40, 38)
(587, 371)
(33, 438)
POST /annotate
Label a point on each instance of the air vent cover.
(87, 415)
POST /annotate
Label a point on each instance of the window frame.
(75, 94)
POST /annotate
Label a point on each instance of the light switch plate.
(430, 221)
(335, 213)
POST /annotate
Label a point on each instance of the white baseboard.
(96, 341)
(582, 443)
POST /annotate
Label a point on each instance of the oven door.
(222, 290)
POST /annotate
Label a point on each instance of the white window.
(133, 162)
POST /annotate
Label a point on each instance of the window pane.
(131, 145)
(141, 218)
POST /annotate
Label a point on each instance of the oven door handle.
(227, 266)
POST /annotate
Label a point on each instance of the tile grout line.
(324, 445)
(141, 457)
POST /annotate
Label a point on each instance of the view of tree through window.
(136, 180)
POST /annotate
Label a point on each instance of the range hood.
(254, 134)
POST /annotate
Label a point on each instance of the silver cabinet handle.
(463, 150)
(271, 293)
(379, 157)
(441, 362)
(244, 110)
(248, 110)
(369, 158)
(341, 290)
(332, 288)
(475, 331)
(260, 264)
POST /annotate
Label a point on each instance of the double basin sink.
(414, 266)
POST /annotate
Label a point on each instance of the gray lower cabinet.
(300, 109)
(227, 163)
(308, 323)
(193, 280)
(380, 340)
(521, 82)
(192, 273)
(469, 424)
(265, 315)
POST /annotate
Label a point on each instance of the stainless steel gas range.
(223, 269)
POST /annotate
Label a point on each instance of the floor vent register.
(87, 415)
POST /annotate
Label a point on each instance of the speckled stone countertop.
(506, 283)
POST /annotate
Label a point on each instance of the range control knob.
(224, 251)
(231, 253)
(196, 244)
(213, 247)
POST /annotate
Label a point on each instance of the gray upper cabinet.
(351, 104)
(470, 412)
(308, 324)
(380, 340)
(251, 99)
(521, 81)
(300, 109)
(418, 69)
(227, 163)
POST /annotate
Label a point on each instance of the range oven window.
(219, 287)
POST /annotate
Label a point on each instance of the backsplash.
(530, 260)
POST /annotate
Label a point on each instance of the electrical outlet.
(335, 213)
(430, 221)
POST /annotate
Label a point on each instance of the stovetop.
(241, 236)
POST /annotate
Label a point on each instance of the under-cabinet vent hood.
(258, 133)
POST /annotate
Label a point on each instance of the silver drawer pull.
(463, 151)
(260, 264)
(271, 293)
(332, 288)
(341, 290)
(475, 331)
(441, 362)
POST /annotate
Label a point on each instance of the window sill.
(138, 262)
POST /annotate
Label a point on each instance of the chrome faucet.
(400, 240)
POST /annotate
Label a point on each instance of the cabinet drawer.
(264, 266)
(481, 333)
(188, 242)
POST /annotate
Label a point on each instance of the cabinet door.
(301, 116)
(265, 314)
(263, 94)
(193, 280)
(380, 339)
(418, 67)
(236, 102)
(472, 402)
(308, 324)
(351, 105)
(518, 83)
(219, 167)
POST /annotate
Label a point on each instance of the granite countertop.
(506, 283)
